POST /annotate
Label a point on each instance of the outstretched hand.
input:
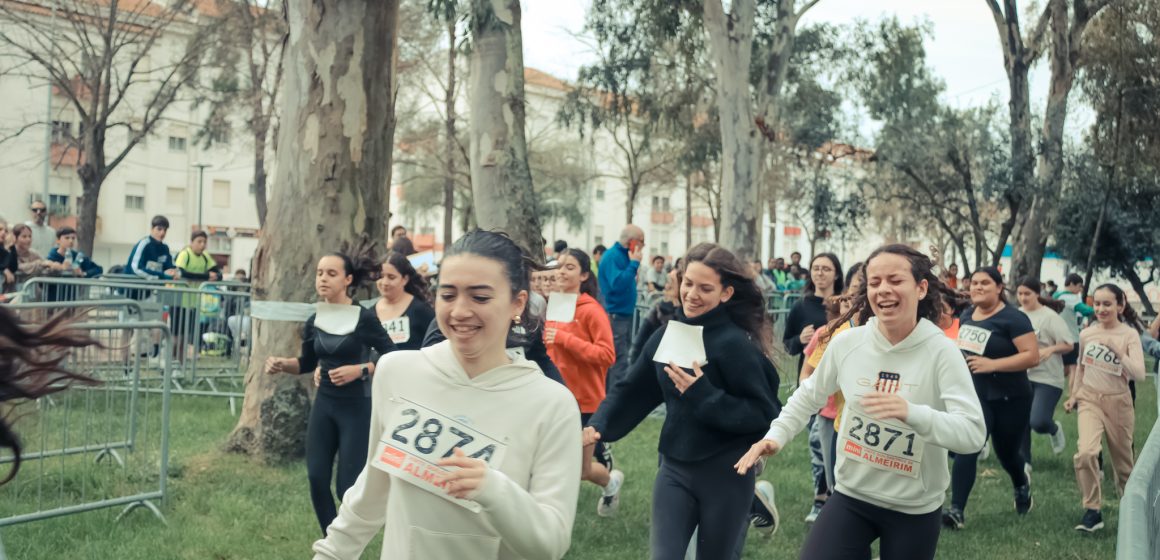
(763, 448)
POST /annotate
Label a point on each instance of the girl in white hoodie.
(474, 453)
(909, 399)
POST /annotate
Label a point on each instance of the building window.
(61, 132)
(58, 205)
(221, 194)
(253, 189)
(664, 248)
(176, 144)
(134, 196)
(599, 193)
(220, 243)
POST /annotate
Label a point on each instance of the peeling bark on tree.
(334, 169)
(731, 48)
(501, 180)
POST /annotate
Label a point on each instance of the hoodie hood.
(505, 377)
(923, 331)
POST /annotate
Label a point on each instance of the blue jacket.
(77, 259)
(617, 279)
(150, 258)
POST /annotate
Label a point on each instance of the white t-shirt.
(1050, 329)
(43, 238)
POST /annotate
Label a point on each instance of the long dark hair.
(746, 308)
(588, 286)
(1034, 285)
(839, 281)
(30, 367)
(921, 267)
(403, 245)
(416, 284)
(517, 265)
(1129, 315)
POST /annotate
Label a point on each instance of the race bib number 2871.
(883, 444)
(417, 437)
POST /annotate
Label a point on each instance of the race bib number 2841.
(417, 437)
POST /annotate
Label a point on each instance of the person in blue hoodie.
(79, 263)
(151, 257)
(909, 399)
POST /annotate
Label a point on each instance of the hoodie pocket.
(430, 545)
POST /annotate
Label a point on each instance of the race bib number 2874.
(417, 437)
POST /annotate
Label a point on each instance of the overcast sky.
(964, 50)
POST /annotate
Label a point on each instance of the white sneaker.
(763, 515)
(610, 500)
(1058, 439)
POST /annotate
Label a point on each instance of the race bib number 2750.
(973, 339)
(417, 437)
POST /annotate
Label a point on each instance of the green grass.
(224, 507)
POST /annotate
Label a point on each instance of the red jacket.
(583, 351)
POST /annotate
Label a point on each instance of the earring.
(516, 320)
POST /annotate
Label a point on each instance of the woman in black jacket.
(711, 410)
(343, 341)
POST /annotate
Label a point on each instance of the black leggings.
(1007, 420)
(847, 526)
(338, 426)
(706, 495)
(1042, 413)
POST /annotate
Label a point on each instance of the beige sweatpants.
(1099, 415)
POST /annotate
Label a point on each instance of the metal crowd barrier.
(211, 329)
(92, 447)
(1139, 532)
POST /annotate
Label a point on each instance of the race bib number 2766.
(417, 437)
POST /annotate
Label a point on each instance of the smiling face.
(391, 282)
(1028, 299)
(24, 240)
(701, 290)
(331, 279)
(892, 291)
(984, 290)
(1106, 308)
(474, 305)
(569, 274)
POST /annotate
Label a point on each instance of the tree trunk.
(449, 132)
(731, 46)
(688, 212)
(260, 175)
(1138, 287)
(338, 112)
(501, 181)
(87, 214)
(630, 205)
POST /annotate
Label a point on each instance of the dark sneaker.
(953, 518)
(1092, 521)
(763, 514)
(815, 511)
(1023, 500)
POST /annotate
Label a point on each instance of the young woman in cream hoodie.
(909, 399)
(473, 452)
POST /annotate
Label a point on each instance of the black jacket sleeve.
(372, 334)
(434, 335)
(747, 400)
(632, 397)
(647, 328)
(793, 329)
(307, 359)
(537, 352)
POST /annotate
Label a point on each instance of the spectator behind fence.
(76, 262)
(151, 258)
(43, 235)
(29, 263)
(7, 261)
(240, 275)
(617, 277)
